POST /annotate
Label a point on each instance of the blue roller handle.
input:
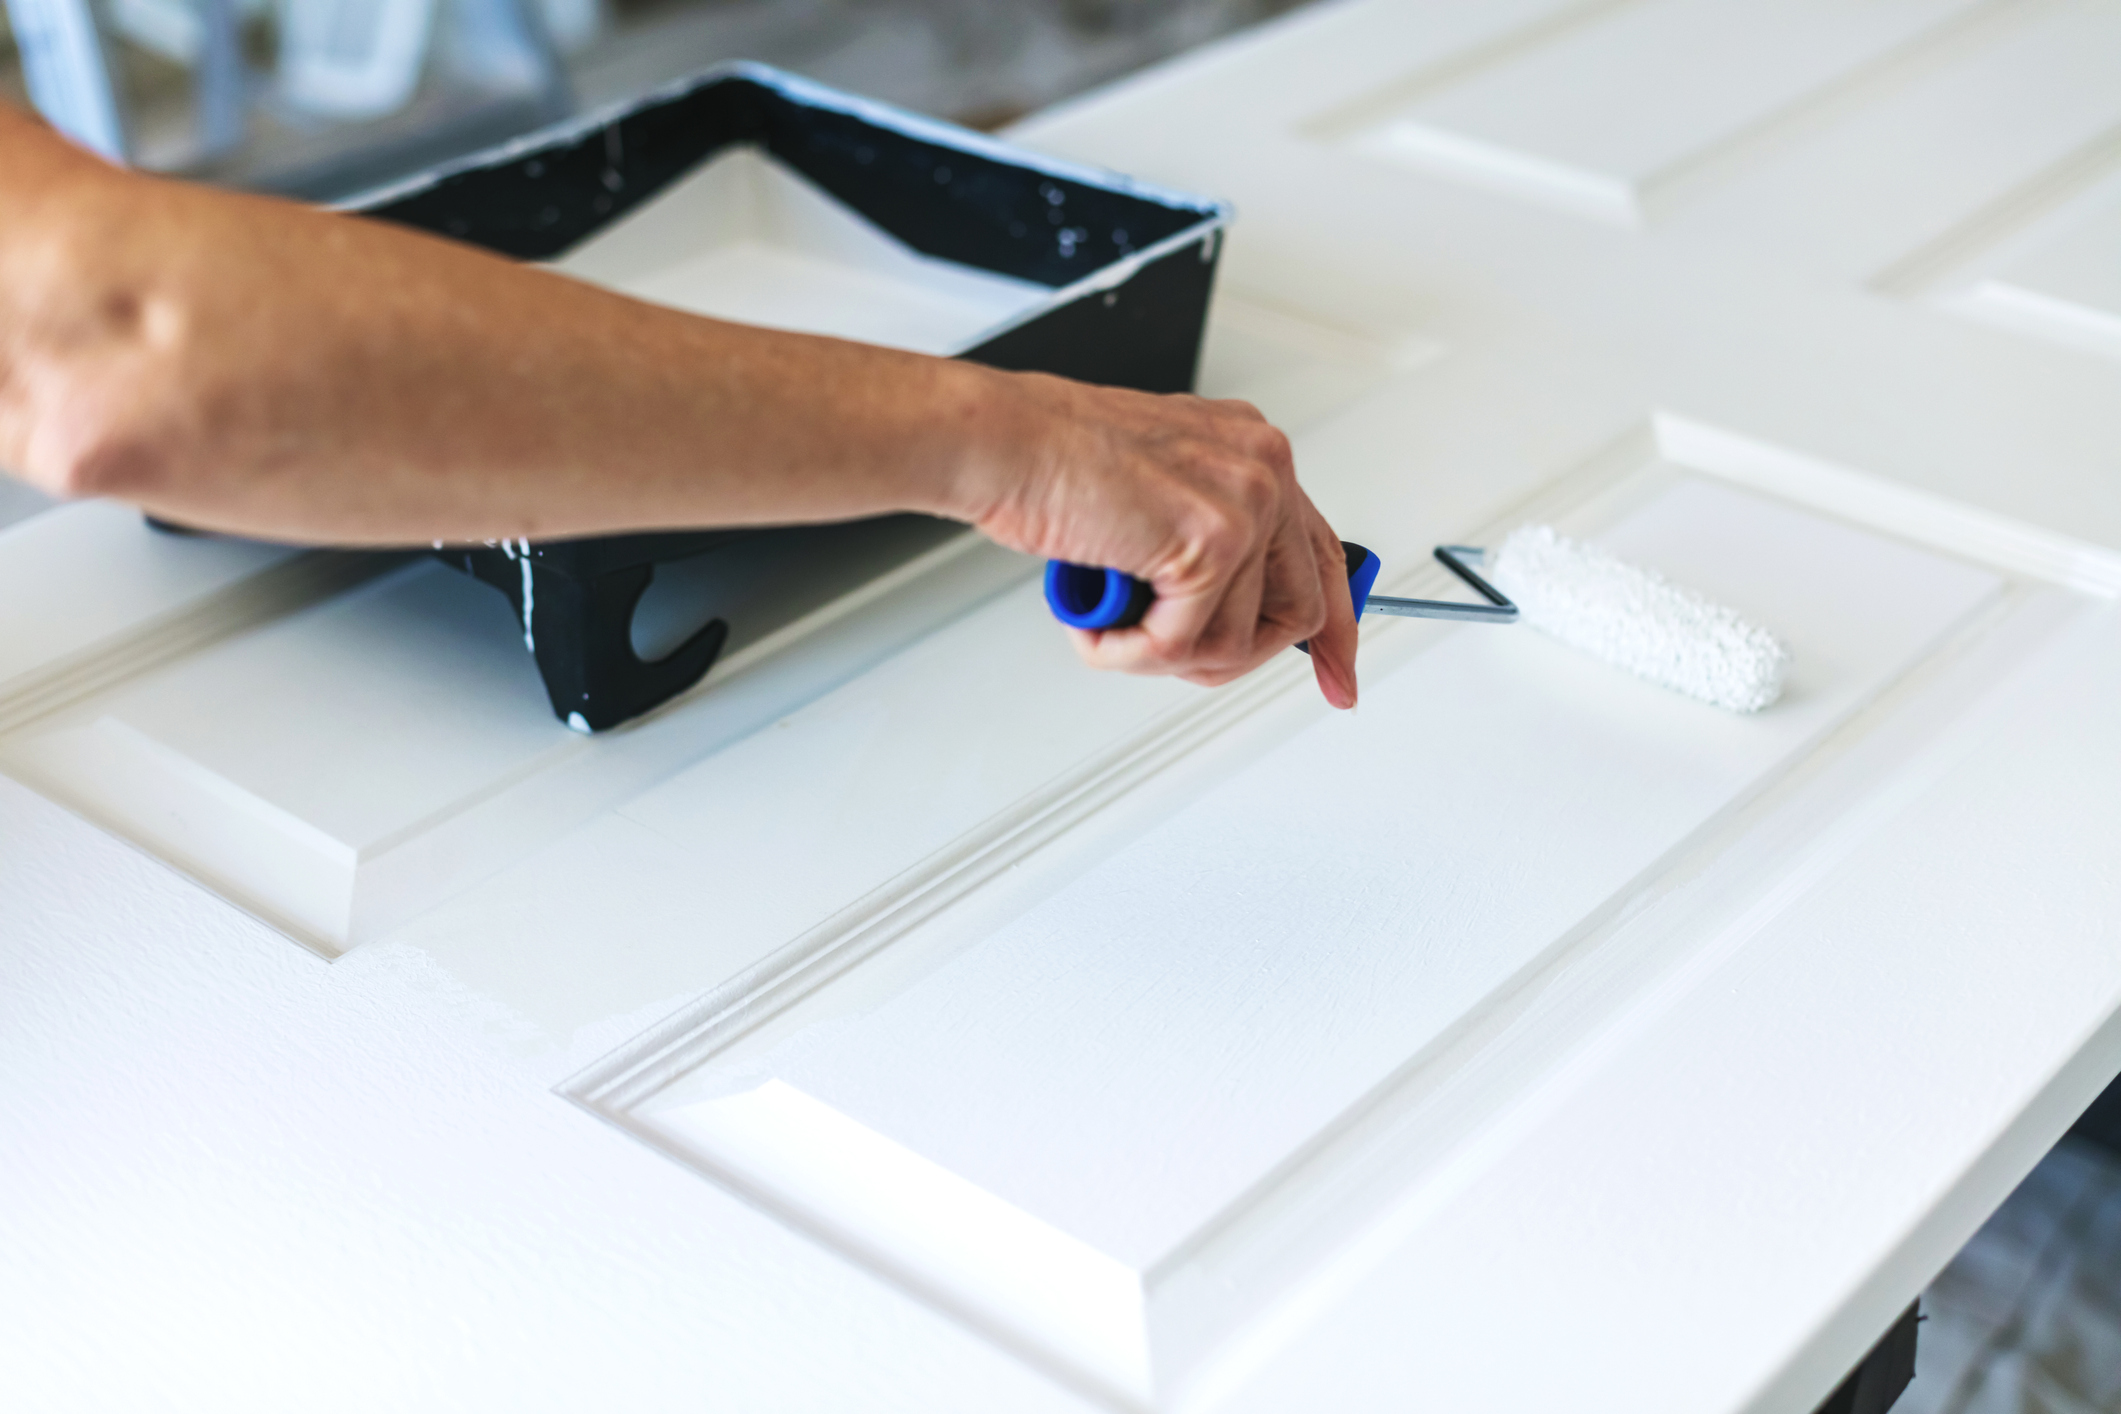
(1082, 596)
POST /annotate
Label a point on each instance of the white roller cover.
(1635, 618)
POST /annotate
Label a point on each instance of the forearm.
(241, 364)
(244, 364)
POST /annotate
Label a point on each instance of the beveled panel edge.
(1931, 268)
(1893, 507)
(693, 1034)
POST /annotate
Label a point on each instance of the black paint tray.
(1111, 280)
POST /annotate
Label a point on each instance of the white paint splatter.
(576, 723)
(530, 592)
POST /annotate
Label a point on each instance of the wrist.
(983, 437)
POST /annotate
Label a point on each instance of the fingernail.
(1340, 690)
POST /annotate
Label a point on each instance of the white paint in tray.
(744, 238)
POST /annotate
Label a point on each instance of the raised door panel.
(2040, 264)
(1600, 110)
(2073, 283)
(90, 595)
(345, 765)
(1108, 1071)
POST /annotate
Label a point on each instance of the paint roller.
(1619, 613)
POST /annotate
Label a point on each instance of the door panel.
(2044, 266)
(1205, 1046)
(89, 594)
(1128, 1074)
(1299, 369)
(346, 765)
(1596, 116)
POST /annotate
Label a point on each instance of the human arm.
(244, 364)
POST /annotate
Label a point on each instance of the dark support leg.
(1875, 1385)
(580, 629)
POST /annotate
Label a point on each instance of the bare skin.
(249, 365)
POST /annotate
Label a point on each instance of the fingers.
(1187, 632)
(1307, 598)
(1213, 585)
(1288, 608)
(1200, 498)
(1234, 640)
(1293, 589)
(1333, 645)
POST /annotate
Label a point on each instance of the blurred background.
(322, 98)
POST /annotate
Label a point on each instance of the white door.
(1022, 1038)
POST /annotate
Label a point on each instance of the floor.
(970, 61)
(967, 60)
(2027, 1318)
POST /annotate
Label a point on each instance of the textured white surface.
(78, 575)
(1805, 1133)
(1637, 620)
(445, 761)
(236, 1178)
(1136, 1056)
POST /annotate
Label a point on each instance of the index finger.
(1333, 646)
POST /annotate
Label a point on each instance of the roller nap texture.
(1635, 618)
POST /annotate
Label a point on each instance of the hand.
(1199, 498)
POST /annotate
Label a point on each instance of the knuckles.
(1226, 491)
(1222, 532)
(1271, 445)
(1260, 485)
